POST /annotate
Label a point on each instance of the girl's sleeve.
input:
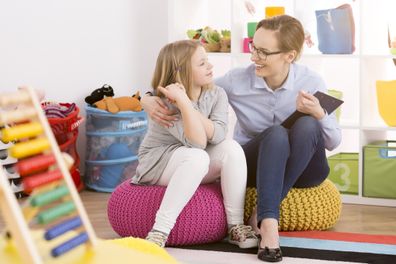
(219, 116)
(177, 130)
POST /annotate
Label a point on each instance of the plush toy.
(99, 94)
(124, 103)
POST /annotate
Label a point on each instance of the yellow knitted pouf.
(316, 208)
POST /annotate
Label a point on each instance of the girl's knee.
(232, 149)
(198, 158)
(230, 145)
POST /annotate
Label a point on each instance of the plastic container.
(65, 130)
(379, 169)
(61, 127)
(344, 172)
(70, 148)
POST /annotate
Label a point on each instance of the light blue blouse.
(257, 107)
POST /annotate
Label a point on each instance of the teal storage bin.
(344, 172)
(113, 141)
(102, 121)
(379, 169)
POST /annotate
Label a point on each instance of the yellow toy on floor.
(51, 225)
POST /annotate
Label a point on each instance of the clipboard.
(328, 102)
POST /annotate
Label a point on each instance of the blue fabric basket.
(113, 142)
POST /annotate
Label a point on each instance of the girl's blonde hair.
(174, 65)
(289, 32)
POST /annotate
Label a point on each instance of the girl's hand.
(309, 104)
(175, 93)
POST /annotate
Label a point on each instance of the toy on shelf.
(52, 221)
(211, 39)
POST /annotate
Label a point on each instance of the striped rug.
(326, 245)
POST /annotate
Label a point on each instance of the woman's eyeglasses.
(262, 54)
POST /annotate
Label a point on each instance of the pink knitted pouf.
(132, 208)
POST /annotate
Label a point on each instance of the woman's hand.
(309, 104)
(158, 111)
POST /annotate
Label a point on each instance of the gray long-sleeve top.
(159, 143)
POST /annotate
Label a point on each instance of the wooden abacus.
(44, 173)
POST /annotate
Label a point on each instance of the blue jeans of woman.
(279, 159)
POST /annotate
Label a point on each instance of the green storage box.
(338, 95)
(379, 169)
(344, 172)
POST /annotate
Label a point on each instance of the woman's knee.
(277, 135)
(307, 125)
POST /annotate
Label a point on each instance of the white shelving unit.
(353, 74)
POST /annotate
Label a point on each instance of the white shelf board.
(355, 199)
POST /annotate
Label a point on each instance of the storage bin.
(271, 11)
(386, 97)
(337, 94)
(65, 130)
(63, 127)
(336, 30)
(344, 172)
(113, 142)
(106, 175)
(70, 148)
(100, 143)
(379, 169)
(101, 121)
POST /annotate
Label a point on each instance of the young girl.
(192, 151)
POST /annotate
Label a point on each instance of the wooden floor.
(354, 218)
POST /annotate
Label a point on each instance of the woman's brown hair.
(289, 32)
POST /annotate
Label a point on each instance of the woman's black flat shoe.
(269, 254)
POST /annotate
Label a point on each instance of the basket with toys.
(64, 121)
(115, 127)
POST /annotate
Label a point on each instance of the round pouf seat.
(132, 209)
(316, 208)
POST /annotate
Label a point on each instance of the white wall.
(68, 48)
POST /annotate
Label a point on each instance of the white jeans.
(190, 167)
